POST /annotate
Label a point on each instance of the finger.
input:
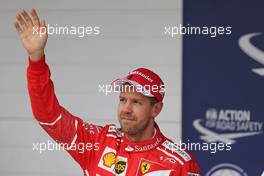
(18, 28)
(27, 17)
(43, 23)
(35, 17)
(22, 21)
(43, 29)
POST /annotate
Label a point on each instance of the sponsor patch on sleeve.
(176, 149)
(192, 174)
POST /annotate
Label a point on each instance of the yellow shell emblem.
(109, 159)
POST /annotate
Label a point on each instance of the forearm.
(44, 103)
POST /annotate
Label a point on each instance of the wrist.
(36, 56)
(38, 65)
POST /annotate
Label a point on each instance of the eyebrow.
(139, 99)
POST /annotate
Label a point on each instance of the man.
(138, 148)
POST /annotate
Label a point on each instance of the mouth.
(127, 118)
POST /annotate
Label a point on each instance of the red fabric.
(147, 79)
(110, 153)
(154, 80)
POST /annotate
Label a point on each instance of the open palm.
(32, 33)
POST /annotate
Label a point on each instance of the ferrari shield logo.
(145, 166)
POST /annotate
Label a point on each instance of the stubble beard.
(135, 129)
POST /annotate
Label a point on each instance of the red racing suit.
(107, 151)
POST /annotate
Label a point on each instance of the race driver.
(138, 148)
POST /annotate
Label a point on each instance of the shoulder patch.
(113, 129)
(176, 149)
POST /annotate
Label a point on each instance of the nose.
(128, 107)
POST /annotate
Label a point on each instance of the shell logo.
(109, 159)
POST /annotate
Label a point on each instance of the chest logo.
(120, 166)
(145, 166)
(109, 159)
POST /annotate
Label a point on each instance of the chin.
(127, 129)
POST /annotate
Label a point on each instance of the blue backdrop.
(223, 86)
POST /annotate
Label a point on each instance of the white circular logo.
(226, 169)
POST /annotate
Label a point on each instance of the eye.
(137, 102)
(121, 99)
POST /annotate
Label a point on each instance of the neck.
(145, 135)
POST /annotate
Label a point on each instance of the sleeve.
(190, 168)
(80, 139)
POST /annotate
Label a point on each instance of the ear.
(156, 109)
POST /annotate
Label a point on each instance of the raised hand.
(32, 33)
